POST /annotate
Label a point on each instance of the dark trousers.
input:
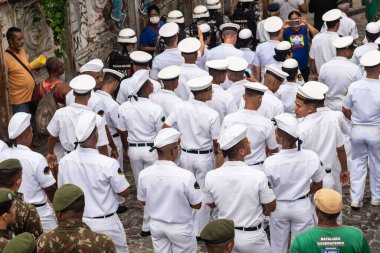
(305, 74)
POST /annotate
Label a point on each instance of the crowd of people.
(231, 126)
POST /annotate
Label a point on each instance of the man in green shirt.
(328, 236)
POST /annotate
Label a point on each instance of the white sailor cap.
(189, 45)
(372, 27)
(245, 34)
(18, 123)
(127, 35)
(232, 136)
(217, 64)
(138, 80)
(165, 137)
(168, 30)
(229, 26)
(290, 64)
(200, 83)
(85, 125)
(213, 4)
(273, 24)
(343, 42)
(276, 72)
(287, 123)
(176, 16)
(169, 72)
(236, 63)
(205, 28)
(371, 58)
(95, 65)
(283, 46)
(255, 87)
(82, 84)
(309, 93)
(200, 11)
(332, 15)
(114, 72)
(320, 87)
(140, 57)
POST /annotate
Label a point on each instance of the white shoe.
(356, 204)
(375, 202)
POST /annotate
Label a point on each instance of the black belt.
(303, 197)
(328, 171)
(116, 135)
(39, 205)
(258, 163)
(102, 217)
(140, 144)
(199, 152)
(249, 229)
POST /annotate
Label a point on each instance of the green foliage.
(55, 12)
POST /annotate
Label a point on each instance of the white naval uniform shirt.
(99, 177)
(287, 93)
(142, 119)
(249, 56)
(198, 123)
(171, 56)
(264, 54)
(363, 98)
(287, 6)
(95, 103)
(239, 192)
(126, 85)
(112, 111)
(167, 99)
(320, 132)
(360, 51)
(222, 102)
(237, 90)
(338, 74)
(187, 72)
(3, 145)
(168, 191)
(344, 124)
(223, 51)
(260, 133)
(202, 60)
(271, 106)
(299, 78)
(289, 172)
(63, 124)
(347, 27)
(35, 173)
(322, 49)
(261, 34)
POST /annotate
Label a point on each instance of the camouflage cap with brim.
(218, 231)
(22, 243)
(65, 196)
(10, 164)
(6, 195)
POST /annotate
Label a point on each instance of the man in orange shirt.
(21, 81)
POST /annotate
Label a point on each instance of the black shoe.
(121, 209)
(145, 233)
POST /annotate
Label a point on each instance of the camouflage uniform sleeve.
(27, 219)
(106, 244)
(32, 222)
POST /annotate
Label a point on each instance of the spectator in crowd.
(287, 6)
(320, 7)
(148, 37)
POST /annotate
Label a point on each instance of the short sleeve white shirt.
(237, 90)
(222, 102)
(167, 99)
(142, 119)
(264, 54)
(126, 84)
(260, 133)
(223, 51)
(287, 6)
(95, 102)
(239, 192)
(360, 51)
(321, 133)
(287, 94)
(99, 177)
(168, 191)
(347, 27)
(249, 55)
(171, 56)
(322, 49)
(188, 72)
(198, 123)
(202, 60)
(3, 145)
(112, 110)
(35, 173)
(363, 98)
(271, 106)
(290, 172)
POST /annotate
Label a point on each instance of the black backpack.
(45, 109)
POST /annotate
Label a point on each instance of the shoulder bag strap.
(19, 61)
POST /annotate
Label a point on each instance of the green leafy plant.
(55, 12)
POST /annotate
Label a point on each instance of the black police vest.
(121, 62)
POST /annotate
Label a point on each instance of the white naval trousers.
(47, 217)
(173, 238)
(365, 142)
(119, 147)
(112, 227)
(140, 158)
(251, 242)
(289, 217)
(199, 165)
